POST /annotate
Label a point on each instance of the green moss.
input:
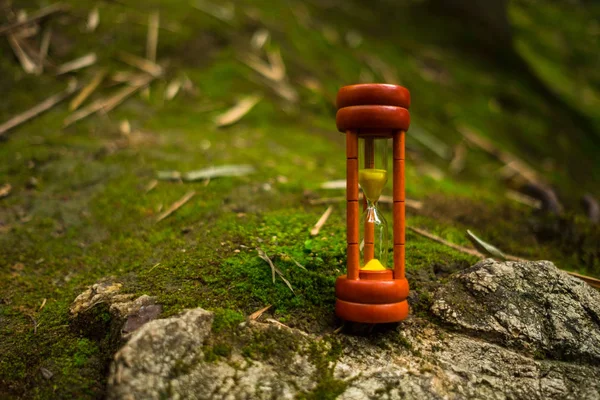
(225, 319)
(269, 343)
(324, 355)
(90, 216)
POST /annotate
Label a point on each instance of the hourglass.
(374, 290)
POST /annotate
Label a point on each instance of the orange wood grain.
(353, 255)
(352, 219)
(399, 257)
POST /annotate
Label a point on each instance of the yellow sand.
(372, 182)
(373, 265)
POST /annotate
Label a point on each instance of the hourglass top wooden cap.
(375, 110)
(373, 94)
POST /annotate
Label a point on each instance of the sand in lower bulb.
(373, 265)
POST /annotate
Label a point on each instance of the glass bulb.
(374, 236)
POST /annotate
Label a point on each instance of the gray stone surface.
(127, 313)
(174, 358)
(532, 306)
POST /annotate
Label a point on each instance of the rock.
(419, 360)
(530, 306)
(502, 316)
(104, 291)
(168, 358)
(430, 363)
(102, 306)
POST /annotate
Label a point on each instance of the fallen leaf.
(220, 171)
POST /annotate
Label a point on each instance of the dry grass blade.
(256, 315)
(38, 109)
(459, 158)
(107, 104)
(173, 88)
(77, 64)
(26, 63)
(288, 284)
(237, 112)
(151, 43)
(141, 63)
(87, 90)
(272, 72)
(259, 39)
(40, 14)
(45, 45)
(438, 239)
(151, 185)
(265, 257)
(485, 247)
(93, 20)
(431, 142)
(510, 160)
(176, 206)
(43, 304)
(5, 190)
(315, 230)
(523, 199)
(224, 13)
(594, 282)
(296, 262)
(152, 39)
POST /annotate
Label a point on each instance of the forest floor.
(81, 202)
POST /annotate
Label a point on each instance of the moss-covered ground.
(79, 208)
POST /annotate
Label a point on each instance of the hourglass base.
(371, 301)
(371, 313)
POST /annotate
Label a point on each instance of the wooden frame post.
(352, 210)
(399, 204)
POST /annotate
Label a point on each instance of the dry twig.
(237, 112)
(93, 20)
(256, 315)
(151, 185)
(26, 63)
(438, 239)
(176, 206)
(5, 190)
(40, 14)
(141, 63)
(38, 109)
(79, 63)
(45, 45)
(87, 90)
(173, 88)
(107, 104)
(594, 282)
(315, 230)
(510, 160)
